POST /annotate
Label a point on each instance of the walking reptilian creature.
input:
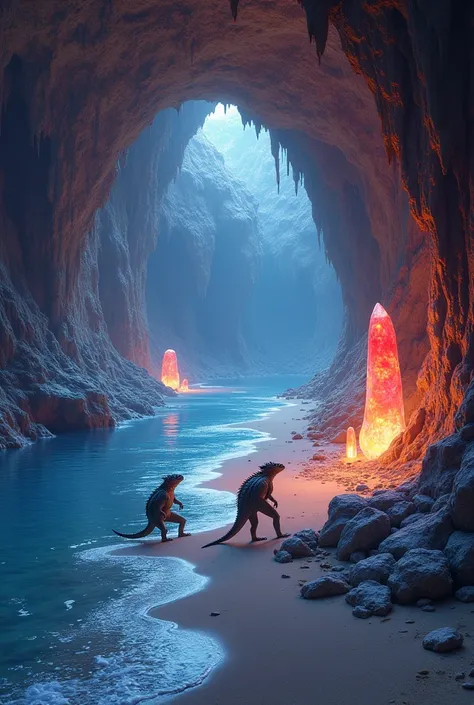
(158, 510)
(252, 498)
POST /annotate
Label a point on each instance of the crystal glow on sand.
(169, 370)
(351, 444)
(384, 416)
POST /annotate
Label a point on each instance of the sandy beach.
(282, 650)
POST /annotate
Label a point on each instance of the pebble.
(424, 672)
(285, 576)
(459, 676)
(468, 685)
(428, 608)
(215, 614)
(409, 621)
(471, 673)
(423, 602)
(387, 619)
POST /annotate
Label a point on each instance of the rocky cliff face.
(204, 266)
(81, 79)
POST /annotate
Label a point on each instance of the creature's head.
(272, 468)
(172, 481)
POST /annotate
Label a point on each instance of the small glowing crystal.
(351, 444)
(184, 386)
(169, 370)
(384, 416)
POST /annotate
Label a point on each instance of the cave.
(114, 246)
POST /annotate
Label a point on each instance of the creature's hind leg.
(269, 511)
(253, 528)
(178, 519)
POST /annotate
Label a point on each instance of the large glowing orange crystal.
(351, 444)
(384, 416)
(169, 370)
(184, 386)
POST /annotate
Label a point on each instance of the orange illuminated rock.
(169, 370)
(351, 444)
(384, 416)
(184, 386)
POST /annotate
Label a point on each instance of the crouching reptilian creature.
(158, 510)
(252, 498)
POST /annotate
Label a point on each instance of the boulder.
(440, 465)
(409, 488)
(465, 594)
(386, 499)
(432, 531)
(443, 640)
(357, 556)
(371, 596)
(341, 508)
(460, 554)
(326, 586)
(440, 502)
(462, 498)
(296, 547)
(364, 531)
(411, 519)
(376, 568)
(420, 573)
(400, 511)
(309, 536)
(423, 503)
(282, 557)
(361, 612)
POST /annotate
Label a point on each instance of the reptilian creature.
(158, 510)
(252, 498)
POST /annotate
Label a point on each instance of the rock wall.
(204, 267)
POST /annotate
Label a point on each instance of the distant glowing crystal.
(351, 444)
(184, 386)
(384, 416)
(169, 370)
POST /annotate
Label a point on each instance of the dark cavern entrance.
(135, 217)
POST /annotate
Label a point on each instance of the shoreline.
(280, 649)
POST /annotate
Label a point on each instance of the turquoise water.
(73, 618)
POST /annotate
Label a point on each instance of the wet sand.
(282, 650)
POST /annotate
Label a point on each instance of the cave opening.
(239, 283)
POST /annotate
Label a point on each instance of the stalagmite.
(169, 370)
(384, 416)
(351, 444)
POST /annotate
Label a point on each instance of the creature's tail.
(140, 534)
(238, 525)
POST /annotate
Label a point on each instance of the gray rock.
(309, 536)
(362, 487)
(371, 596)
(443, 640)
(468, 685)
(440, 466)
(357, 556)
(462, 498)
(341, 508)
(296, 547)
(364, 531)
(326, 586)
(361, 612)
(423, 503)
(409, 488)
(411, 519)
(460, 554)
(428, 608)
(467, 432)
(377, 568)
(400, 511)
(282, 557)
(386, 499)
(423, 602)
(440, 502)
(420, 573)
(465, 594)
(431, 532)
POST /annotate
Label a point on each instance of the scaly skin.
(252, 498)
(158, 510)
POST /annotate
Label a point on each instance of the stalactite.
(317, 19)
